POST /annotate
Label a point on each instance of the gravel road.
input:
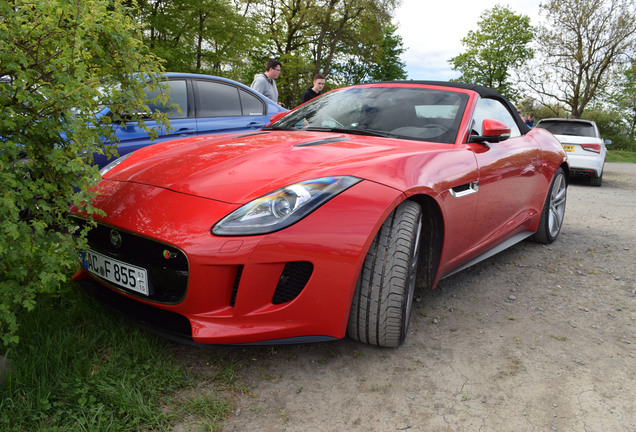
(537, 338)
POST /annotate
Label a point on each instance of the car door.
(180, 113)
(509, 176)
(222, 107)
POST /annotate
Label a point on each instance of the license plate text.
(120, 273)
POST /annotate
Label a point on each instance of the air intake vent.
(294, 278)
(237, 280)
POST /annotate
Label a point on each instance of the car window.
(177, 104)
(568, 128)
(251, 104)
(217, 100)
(436, 111)
(404, 112)
(493, 109)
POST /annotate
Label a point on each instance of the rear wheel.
(597, 181)
(383, 298)
(553, 210)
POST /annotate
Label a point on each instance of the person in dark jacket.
(530, 120)
(312, 92)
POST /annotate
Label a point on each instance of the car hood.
(239, 168)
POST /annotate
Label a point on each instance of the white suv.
(583, 144)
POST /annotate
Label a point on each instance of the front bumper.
(292, 285)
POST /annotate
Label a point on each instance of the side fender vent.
(465, 189)
(293, 280)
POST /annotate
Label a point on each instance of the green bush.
(612, 126)
(60, 61)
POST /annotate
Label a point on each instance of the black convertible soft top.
(485, 92)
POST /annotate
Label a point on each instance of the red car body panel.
(175, 192)
(336, 247)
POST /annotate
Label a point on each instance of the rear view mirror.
(492, 131)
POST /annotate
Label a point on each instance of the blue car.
(208, 105)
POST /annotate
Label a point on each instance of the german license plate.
(568, 147)
(120, 273)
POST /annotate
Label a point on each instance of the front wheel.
(553, 210)
(383, 298)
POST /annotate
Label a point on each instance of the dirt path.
(537, 338)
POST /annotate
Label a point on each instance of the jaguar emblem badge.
(115, 238)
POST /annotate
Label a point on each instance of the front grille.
(294, 278)
(166, 265)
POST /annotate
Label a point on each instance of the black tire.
(383, 298)
(597, 181)
(553, 210)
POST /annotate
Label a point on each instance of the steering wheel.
(331, 122)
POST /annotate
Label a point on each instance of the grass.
(80, 368)
(206, 411)
(620, 156)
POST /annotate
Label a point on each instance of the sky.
(432, 31)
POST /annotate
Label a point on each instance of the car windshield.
(568, 128)
(389, 111)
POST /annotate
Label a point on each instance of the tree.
(500, 45)
(200, 36)
(60, 60)
(625, 99)
(611, 125)
(235, 38)
(389, 66)
(310, 36)
(367, 63)
(581, 43)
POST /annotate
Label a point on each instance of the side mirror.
(492, 131)
(608, 142)
(277, 117)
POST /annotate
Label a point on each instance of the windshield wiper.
(366, 132)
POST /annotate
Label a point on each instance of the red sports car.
(325, 222)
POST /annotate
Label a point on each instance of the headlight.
(282, 207)
(113, 164)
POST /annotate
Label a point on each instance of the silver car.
(584, 146)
